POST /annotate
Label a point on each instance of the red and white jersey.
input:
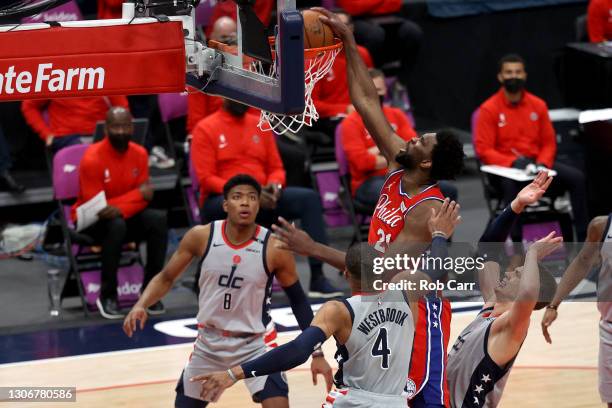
(392, 208)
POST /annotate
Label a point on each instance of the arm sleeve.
(596, 21)
(275, 171)
(32, 112)
(132, 202)
(287, 356)
(354, 146)
(439, 249)
(499, 228)
(548, 141)
(484, 141)
(299, 304)
(204, 157)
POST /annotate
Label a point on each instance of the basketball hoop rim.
(312, 53)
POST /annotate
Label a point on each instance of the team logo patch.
(410, 388)
(533, 116)
(256, 139)
(502, 120)
(236, 259)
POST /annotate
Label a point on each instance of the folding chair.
(358, 212)
(83, 278)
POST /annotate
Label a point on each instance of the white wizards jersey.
(376, 356)
(235, 284)
(604, 285)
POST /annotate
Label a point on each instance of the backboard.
(227, 77)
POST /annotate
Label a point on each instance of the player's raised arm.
(510, 329)
(586, 259)
(192, 245)
(333, 319)
(363, 93)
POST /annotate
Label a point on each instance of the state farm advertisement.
(92, 61)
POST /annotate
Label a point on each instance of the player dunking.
(480, 360)
(596, 250)
(238, 260)
(373, 331)
(407, 197)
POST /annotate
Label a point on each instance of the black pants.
(149, 225)
(568, 178)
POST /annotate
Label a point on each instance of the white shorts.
(214, 352)
(605, 361)
(355, 398)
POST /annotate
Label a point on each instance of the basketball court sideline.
(563, 374)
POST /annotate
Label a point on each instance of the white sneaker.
(158, 158)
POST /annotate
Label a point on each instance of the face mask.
(382, 99)
(514, 85)
(119, 142)
(235, 108)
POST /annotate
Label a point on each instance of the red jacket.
(599, 20)
(200, 105)
(119, 175)
(356, 141)
(109, 8)
(224, 145)
(263, 9)
(68, 116)
(359, 7)
(331, 94)
(505, 131)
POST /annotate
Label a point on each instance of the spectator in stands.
(7, 182)
(120, 169)
(228, 143)
(599, 20)
(513, 129)
(109, 8)
(262, 8)
(367, 166)
(407, 33)
(331, 95)
(68, 119)
(200, 104)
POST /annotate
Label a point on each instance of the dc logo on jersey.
(409, 389)
(231, 281)
(533, 116)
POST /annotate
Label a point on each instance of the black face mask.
(514, 85)
(119, 142)
(382, 99)
(235, 108)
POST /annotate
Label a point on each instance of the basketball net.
(317, 63)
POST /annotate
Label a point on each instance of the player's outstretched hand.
(320, 366)
(292, 238)
(547, 245)
(550, 315)
(137, 314)
(445, 219)
(532, 192)
(213, 384)
(342, 30)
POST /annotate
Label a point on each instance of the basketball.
(316, 34)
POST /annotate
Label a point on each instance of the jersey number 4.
(381, 348)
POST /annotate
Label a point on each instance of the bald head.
(119, 128)
(224, 30)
